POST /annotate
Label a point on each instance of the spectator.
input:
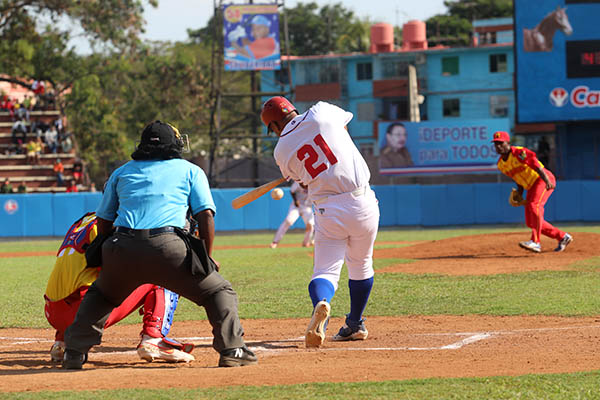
(6, 187)
(59, 169)
(21, 112)
(92, 187)
(72, 187)
(78, 170)
(19, 128)
(32, 152)
(66, 143)
(51, 139)
(22, 187)
(39, 127)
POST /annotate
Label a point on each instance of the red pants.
(537, 196)
(60, 314)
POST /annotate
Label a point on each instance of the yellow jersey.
(520, 166)
(70, 268)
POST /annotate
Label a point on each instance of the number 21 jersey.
(316, 149)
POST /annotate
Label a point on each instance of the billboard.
(438, 147)
(251, 37)
(557, 53)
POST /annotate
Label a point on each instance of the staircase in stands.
(37, 178)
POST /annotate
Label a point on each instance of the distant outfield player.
(522, 165)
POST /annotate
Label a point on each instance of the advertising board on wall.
(251, 37)
(438, 147)
(557, 53)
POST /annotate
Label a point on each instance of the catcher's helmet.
(275, 109)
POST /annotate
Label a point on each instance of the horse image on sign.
(541, 38)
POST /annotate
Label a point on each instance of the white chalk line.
(472, 337)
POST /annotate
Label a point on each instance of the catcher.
(71, 278)
(521, 165)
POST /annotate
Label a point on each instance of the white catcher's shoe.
(531, 246)
(57, 351)
(151, 349)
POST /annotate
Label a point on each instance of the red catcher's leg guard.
(154, 310)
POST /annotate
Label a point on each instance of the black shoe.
(73, 359)
(237, 357)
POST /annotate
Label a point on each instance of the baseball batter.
(315, 149)
(299, 207)
(70, 280)
(522, 166)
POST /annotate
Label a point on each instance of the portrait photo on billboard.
(438, 146)
(557, 60)
(251, 37)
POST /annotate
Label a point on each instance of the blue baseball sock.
(359, 296)
(320, 289)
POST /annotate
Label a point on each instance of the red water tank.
(414, 35)
(382, 38)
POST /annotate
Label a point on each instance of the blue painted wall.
(473, 85)
(400, 205)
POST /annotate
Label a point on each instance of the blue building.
(456, 85)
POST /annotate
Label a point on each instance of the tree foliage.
(454, 28)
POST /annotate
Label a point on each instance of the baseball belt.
(356, 192)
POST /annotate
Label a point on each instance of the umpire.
(140, 217)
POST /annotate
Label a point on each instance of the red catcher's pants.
(60, 314)
(537, 196)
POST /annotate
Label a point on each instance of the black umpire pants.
(132, 259)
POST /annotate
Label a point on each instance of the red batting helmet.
(275, 109)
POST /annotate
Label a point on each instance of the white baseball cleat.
(564, 242)
(151, 349)
(315, 333)
(531, 246)
(273, 245)
(57, 351)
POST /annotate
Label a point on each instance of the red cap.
(501, 136)
(275, 109)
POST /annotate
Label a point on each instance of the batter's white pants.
(294, 212)
(345, 229)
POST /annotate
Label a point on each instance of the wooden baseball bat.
(255, 193)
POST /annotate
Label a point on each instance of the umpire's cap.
(275, 109)
(160, 133)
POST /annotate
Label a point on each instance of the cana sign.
(580, 97)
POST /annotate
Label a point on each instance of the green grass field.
(273, 284)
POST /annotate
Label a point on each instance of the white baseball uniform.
(316, 149)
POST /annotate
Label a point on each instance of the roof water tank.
(382, 38)
(414, 35)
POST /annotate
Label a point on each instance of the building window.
(282, 77)
(487, 38)
(449, 66)
(498, 63)
(499, 106)
(329, 73)
(451, 107)
(394, 69)
(365, 111)
(364, 71)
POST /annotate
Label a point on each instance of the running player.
(316, 150)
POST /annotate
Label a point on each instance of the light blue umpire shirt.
(155, 193)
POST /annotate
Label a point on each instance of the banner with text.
(251, 37)
(433, 147)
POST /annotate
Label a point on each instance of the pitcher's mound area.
(497, 253)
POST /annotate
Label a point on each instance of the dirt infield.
(397, 348)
